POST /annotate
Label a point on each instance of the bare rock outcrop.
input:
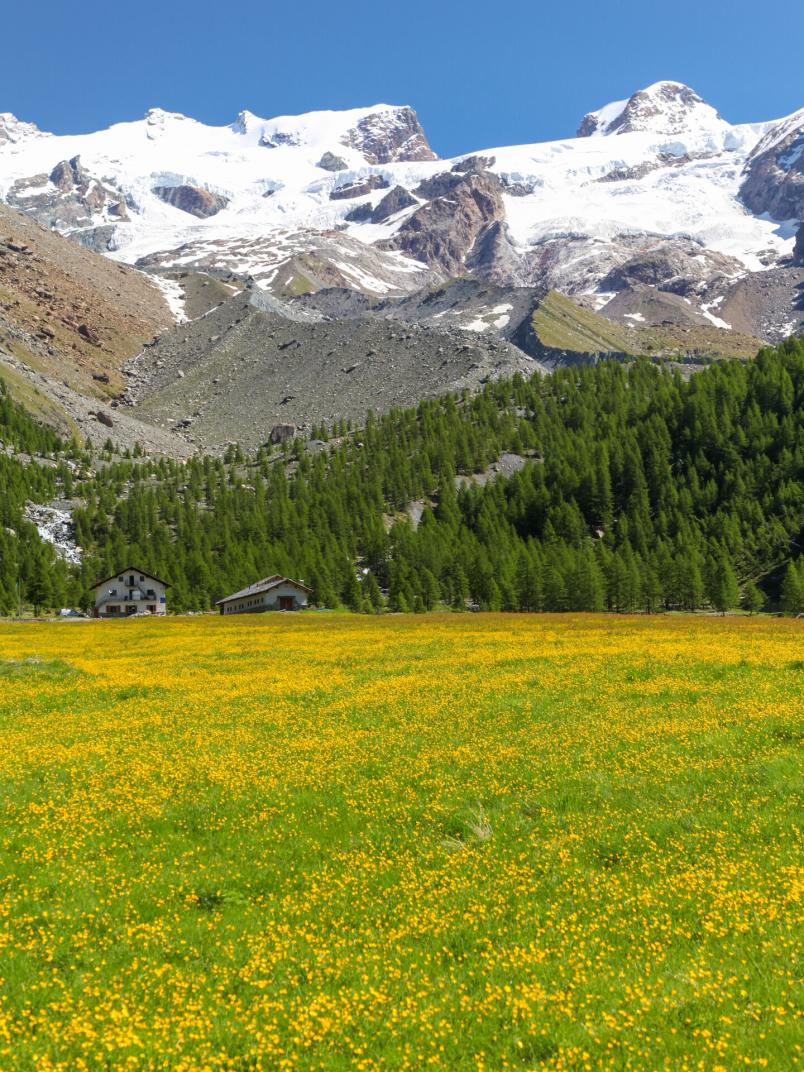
(73, 200)
(394, 201)
(677, 266)
(192, 199)
(359, 189)
(774, 172)
(280, 432)
(390, 136)
(460, 209)
(330, 162)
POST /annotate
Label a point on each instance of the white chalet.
(271, 593)
(130, 592)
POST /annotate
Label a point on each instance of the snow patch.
(174, 296)
(711, 317)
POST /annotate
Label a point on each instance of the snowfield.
(678, 175)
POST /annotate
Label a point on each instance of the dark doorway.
(286, 602)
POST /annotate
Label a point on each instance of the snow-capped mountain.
(663, 108)
(657, 191)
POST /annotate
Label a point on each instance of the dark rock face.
(69, 173)
(192, 199)
(391, 136)
(394, 201)
(442, 233)
(798, 249)
(360, 214)
(440, 185)
(493, 256)
(774, 174)
(359, 189)
(590, 124)
(330, 162)
(98, 239)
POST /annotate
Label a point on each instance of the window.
(141, 577)
(112, 610)
(121, 579)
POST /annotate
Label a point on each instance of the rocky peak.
(389, 135)
(157, 119)
(13, 130)
(774, 172)
(245, 122)
(663, 108)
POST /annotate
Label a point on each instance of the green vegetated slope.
(637, 490)
(33, 467)
(559, 324)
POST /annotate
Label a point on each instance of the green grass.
(560, 324)
(453, 842)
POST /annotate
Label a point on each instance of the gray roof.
(130, 569)
(265, 585)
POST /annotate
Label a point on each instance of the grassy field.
(476, 842)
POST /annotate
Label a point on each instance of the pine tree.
(752, 598)
(793, 588)
(724, 592)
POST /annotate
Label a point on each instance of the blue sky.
(498, 72)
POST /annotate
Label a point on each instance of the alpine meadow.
(401, 539)
(464, 842)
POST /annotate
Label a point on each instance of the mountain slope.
(69, 320)
(254, 363)
(358, 199)
(633, 487)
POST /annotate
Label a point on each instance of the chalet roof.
(265, 585)
(130, 569)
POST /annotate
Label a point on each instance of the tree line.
(637, 489)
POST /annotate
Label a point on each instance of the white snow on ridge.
(677, 175)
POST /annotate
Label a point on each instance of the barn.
(271, 593)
